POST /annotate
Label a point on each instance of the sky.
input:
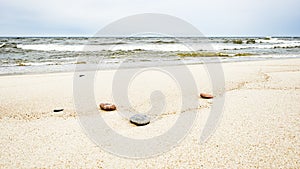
(211, 17)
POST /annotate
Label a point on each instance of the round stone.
(140, 119)
(206, 96)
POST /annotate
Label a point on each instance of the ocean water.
(56, 54)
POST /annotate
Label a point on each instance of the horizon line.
(111, 36)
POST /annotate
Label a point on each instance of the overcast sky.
(211, 17)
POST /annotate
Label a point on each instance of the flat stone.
(107, 106)
(206, 96)
(140, 119)
(58, 110)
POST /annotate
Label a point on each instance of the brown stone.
(206, 96)
(108, 107)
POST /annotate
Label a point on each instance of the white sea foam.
(271, 40)
(51, 47)
(126, 47)
(259, 44)
(266, 44)
(153, 47)
(2, 45)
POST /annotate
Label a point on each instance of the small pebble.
(58, 110)
(206, 96)
(107, 106)
(140, 119)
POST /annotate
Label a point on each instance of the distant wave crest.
(163, 42)
(8, 45)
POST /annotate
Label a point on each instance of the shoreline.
(137, 67)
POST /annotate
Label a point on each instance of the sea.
(26, 55)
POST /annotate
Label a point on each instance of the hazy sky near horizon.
(211, 17)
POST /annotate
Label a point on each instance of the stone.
(140, 119)
(108, 107)
(206, 96)
(58, 110)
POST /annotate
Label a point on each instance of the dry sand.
(259, 128)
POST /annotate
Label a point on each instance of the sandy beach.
(259, 127)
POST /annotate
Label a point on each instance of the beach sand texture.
(259, 128)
